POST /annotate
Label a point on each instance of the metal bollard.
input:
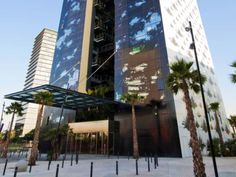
(30, 168)
(71, 160)
(49, 164)
(148, 165)
(15, 172)
(77, 158)
(57, 171)
(5, 166)
(136, 166)
(63, 161)
(157, 160)
(117, 168)
(91, 170)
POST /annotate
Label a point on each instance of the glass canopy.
(73, 99)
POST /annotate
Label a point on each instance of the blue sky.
(21, 22)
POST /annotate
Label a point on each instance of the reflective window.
(141, 59)
(66, 63)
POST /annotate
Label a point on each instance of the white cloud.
(62, 39)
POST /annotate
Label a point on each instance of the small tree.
(232, 121)
(99, 91)
(14, 109)
(183, 77)
(133, 99)
(29, 136)
(52, 135)
(43, 98)
(215, 108)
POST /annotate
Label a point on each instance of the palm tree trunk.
(34, 150)
(135, 135)
(198, 165)
(8, 137)
(222, 148)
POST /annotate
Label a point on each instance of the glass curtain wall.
(141, 66)
(66, 63)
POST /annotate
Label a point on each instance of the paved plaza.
(103, 167)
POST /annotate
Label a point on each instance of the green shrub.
(216, 146)
(230, 147)
(202, 145)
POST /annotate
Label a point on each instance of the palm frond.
(182, 74)
(233, 64)
(15, 108)
(233, 78)
(214, 106)
(131, 98)
(44, 97)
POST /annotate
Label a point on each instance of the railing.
(99, 37)
(107, 47)
(99, 25)
(99, 3)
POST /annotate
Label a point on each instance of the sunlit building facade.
(149, 36)
(145, 36)
(85, 40)
(38, 73)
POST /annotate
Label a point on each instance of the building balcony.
(99, 4)
(99, 25)
(95, 62)
(100, 79)
(107, 47)
(95, 50)
(99, 37)
(103, 37)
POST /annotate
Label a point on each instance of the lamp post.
(3, 107)
(193, 46)
(61, 114)
(62, 110)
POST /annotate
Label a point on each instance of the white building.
(176, 15)
(38, 73)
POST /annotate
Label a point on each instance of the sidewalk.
(168, 167)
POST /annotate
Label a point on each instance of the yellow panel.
(90, 127)
(85, 47)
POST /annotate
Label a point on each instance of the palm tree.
(52, 136)
(43, 98)
(14, 109)
(215, 108)
(99, 91)
(133, 99)
(233, 76)
(183, 77)
(232, 122)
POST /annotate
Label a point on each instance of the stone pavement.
(168, 167)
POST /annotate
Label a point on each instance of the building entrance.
(91, 137)
(92, 143)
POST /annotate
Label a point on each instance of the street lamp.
(193, 47)
(3, 107)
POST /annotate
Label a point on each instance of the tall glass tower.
(146, 36)
(85, 39)
(150, 35)
(68, 59)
